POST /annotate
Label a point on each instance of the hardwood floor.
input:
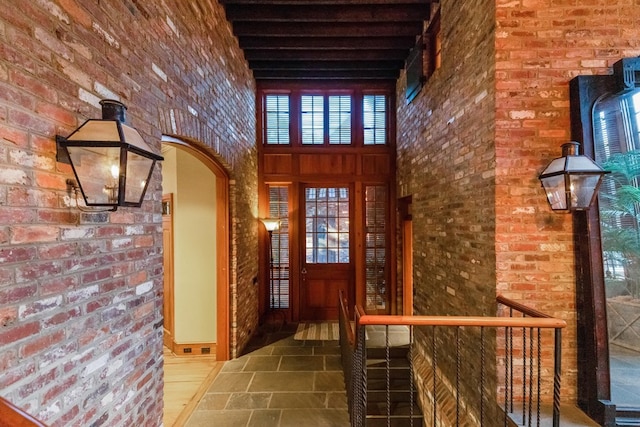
(186, 379)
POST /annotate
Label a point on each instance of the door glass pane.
(375, 249)
(279, 268)
(617, 148)
(327, 225)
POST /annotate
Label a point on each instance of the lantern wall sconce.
(110, 160)
(571, 181)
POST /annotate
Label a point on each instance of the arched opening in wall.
(196, 250)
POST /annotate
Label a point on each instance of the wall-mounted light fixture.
(571, 181)
(271, 224)
(110, 160)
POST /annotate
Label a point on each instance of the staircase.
(395, 400)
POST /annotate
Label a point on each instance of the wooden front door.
(326, 250)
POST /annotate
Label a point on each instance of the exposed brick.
(41, 343)
(18, 332)
(59, 59)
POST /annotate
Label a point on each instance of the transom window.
(312, 113)
(326, 119)
(277, 119)
(375, 119)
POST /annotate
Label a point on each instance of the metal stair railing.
(516, 338)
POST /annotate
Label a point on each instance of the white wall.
(194, 232)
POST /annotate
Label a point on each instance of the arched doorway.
(195, 208)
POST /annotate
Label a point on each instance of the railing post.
(557, 368)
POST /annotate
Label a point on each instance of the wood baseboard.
(193, 349)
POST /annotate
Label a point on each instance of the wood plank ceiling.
(327, 39)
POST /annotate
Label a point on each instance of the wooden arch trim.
(203, 154)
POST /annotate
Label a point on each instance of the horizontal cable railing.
(514, 342)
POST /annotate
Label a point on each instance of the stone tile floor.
(279, 382)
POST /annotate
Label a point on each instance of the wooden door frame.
(203, 154)
(301, 248)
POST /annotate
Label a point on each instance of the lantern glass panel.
(138, 170)
(554, 187)
(583, 189)
(97, 171)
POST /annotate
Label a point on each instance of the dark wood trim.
(594, 385)
(355, 165)
(11, 415)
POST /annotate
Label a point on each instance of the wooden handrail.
(520, 307)
(351, 336)
(478, 321)
(12, 416)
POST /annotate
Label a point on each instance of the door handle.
(303, 272)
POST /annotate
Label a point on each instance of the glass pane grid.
(327, 225)
(340, 119)
(312, 119)
(375, 119)
(277, 119)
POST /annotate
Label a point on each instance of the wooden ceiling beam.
(312, 43)
(326, 55)
(336, 3)
(326, 65)
(339, 29)
(325, 75)
(323, 13)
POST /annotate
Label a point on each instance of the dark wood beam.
(326, 55)
(312, 43)
(326, 65)
(336, 3)
(324, 75)
(324, 13)
(340, 29)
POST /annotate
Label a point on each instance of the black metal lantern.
(571, 181)
(110, 160)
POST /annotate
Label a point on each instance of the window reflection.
(617, 149)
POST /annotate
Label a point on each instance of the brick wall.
(446, 161)
(471, 146)
(540, 47)
(80, 294)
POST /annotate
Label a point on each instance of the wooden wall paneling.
(278, 164)
(376, 164)
(325, 164)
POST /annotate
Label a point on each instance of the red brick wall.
(446, 162)
(81, 294)
(540, 46)
(471, 147)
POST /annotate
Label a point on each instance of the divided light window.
(312, 117)
(375, 119)
(326, 119)
(277, 119)
(340, 119)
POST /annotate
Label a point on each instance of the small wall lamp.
(571, 181)
(110, 160)
(271, 224)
